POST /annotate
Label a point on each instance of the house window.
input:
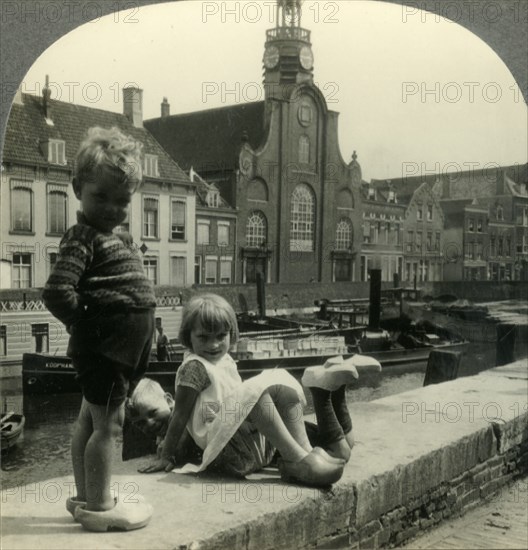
(493, 251)
(419, 214)
(213, 197)
(256, 230)
(56, 152)
(223, 234)
(198, 270)
(429, 212)
(150, 166)
(225, 270)
(500, 212)
(203, 232)
(366, 232)
(419, 241)
(177, 220)
(21, 206)
(479, 225)
(21, 275)
(410, 241)
(500, 251)
(429, 241)
(57, 209)
(304, 149)
(178, 270)
(302, 222)
(471, 224)
(437, 241)
(210, 270)
(150, 267)
(508, 246)
(40, 333)
(3, 340)
(344, 235)
(150, 217)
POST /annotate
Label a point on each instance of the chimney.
(133, 105)
(165, 108)
(46, 96)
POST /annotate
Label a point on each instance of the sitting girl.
(237, 424)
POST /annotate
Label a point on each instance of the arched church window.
(302, 219)
(343, 235)
(304, 149)
(256, 229)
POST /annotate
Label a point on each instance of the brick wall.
(449, 499)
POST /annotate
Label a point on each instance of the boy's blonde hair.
(109, 148)
(146, 386)
(213, 313)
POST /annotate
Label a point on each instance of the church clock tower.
(288, 58)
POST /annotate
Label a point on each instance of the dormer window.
(150, 166)
(371, 193)
(392, 196)
(57, 151)
(212, 198)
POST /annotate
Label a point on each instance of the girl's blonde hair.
(109, 148)
(213, 313)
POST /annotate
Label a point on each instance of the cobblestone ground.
(501, 522)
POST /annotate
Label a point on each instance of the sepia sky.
(416, 93)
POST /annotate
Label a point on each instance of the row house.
(216, 225)
(421, 240)
(492, 226)
(383, 221)
(277, 163)
(38, 203)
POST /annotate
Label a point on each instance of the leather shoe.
(312, 470)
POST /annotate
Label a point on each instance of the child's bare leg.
(98, 457)
(269, 423)
(81, 434)
(291, 411)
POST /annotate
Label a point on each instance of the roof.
(404, 187)
(210, 140)
(27, 129)
(202, 188)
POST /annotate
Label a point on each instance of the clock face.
(271, 57)
(306, 57)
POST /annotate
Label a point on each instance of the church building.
(277, 163)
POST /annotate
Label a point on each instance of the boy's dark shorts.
(111, 352)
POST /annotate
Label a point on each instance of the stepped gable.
(28, 129)
(210, 140)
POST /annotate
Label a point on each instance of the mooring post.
(505, 344)
(442, 366)
(261, 294)
(375, 299)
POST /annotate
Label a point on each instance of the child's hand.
(161, 465)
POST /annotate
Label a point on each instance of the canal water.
(43, 450)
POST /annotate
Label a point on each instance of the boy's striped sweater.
(95, 270)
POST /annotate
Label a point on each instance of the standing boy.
(98, 290)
